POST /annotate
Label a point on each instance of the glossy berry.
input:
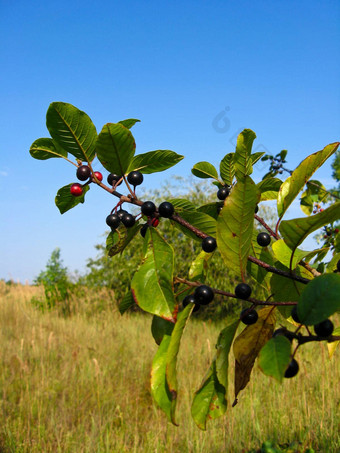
(113, 221)
(294, 315)
(292, 369)
(219, 208)
(190, 300)
(243, 291)
(76, 189)
(284, 332)
(83, 172)
(166, 209)
(263, 239)
(148, 208)
(135, 178)
(144, 229)
(98, 175)
(338, 266)
(121, 213)
(113, 178)
(128, 220)
(223, 192)
(249, 316)
(324, 328)
(203, 295)
(209, 244)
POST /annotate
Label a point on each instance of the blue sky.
(272, 66)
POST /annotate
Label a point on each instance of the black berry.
(144, 229)
(148, 208)
(249, 316)
(113, 221)
(113, 178)
(121, 213)
(209, 244)
(128, 220)
(83, 172)
(243, 291)
(135, 178)
(294, 315)
(190, 300)
(338, 266)
(166, 209)
(324, 328)
(283, 332)
(256, 209)
(76, 189)
(263, 239)
(292, 369)
(223, 192)
(203, 295)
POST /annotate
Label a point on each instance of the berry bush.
(300, 286)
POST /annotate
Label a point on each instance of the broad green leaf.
(126, 302)
(66, 201)
(198, 266)
(160, 327)
(212, 209)
(204, 170)
(210, 399)
(274, 357)
(263, 254)
(171, 357)
(115, 148)
(118, 240)
(306, 203)
(295, 183)
(284, 254)
(159, 387)
(181, 204)
(152, 283)
(199, 220)
(227, 169)
(331, 266)
(72, 129)
(320, 299)
(269, 188)
(332, 346)
(242, 158)
(154, 161)
(257, 156)
(45, 148)
(235, 225)
(248, 345)
(129, 123)
(295, 231)
(287, 290)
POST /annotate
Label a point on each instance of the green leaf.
(45, 148)
(66, 201)
(211, 209)
(320, 299)
(257, 156)
(118, 240)
(129, 123)
(242, 159)
(227, 168)
(274, 357)
(171, 357)
(181, 205)
(263, 254)
(199, 220)
(204, 170)
(126, 302)
(159, 387)
(294, 184)
(72, 129)
(332, 346)
(152, 283)
(198, 266)
(284, 254)
(154, 161)
(331, 266)
(160, 327)
(295, 231)
(235, 225)
(269, 188)
(115, 148)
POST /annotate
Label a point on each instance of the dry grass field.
(81, 384)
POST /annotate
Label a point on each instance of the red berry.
(76, 189)
(336, 231)
(98, 175)
(155, 222)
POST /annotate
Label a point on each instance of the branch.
(274, 270)
(267, 227)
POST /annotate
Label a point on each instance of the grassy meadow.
(81, 384)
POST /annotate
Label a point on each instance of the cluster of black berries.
(83, 174)
(203, 295)
(148, 208)
(121, 216)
